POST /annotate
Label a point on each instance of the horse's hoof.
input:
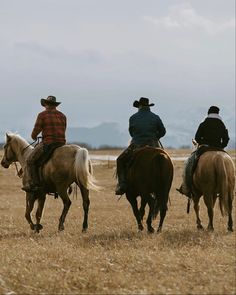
(159, 231)
(61, 228)
(38, 227)
(140, 227)
(151, 230)
(200, 227)
(32, 226)
(84, 230)
(230, 229)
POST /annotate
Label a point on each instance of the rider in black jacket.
(211, 132)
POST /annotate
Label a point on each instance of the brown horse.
(214, 177)
(149, 176)
(68, 164)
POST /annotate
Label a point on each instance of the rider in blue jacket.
(145, 128)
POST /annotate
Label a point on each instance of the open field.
(112, 257)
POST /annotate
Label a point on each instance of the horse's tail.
(84, 169)
(222, 179)
(163, 171)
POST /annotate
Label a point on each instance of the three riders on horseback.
(145, 127)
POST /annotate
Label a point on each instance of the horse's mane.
(18, 137)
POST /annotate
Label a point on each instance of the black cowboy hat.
(143, 101)
(213, 110)
(50, 100)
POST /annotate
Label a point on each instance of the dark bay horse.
(149, 176)
(214, 178)
(68, 164)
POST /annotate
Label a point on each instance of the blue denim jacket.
(145, 127)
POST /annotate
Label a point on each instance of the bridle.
(19, 171)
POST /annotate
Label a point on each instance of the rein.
(35, 141)
(19, 172)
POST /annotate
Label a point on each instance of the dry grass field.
(112, 257)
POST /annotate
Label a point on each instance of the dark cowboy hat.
(143, 101)
(213, 110)
(50, 100)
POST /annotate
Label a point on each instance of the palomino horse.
(214, 177)
(149, 176)
(68, 164)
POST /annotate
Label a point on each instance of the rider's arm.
(161, 130)
(225, 138)
(37, 128)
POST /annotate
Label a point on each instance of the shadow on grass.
(11, 235)
(107, 238)
(190, 238)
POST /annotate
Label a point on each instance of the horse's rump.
(69, 163)
(215, 176)
(151, 171)
(150, 177)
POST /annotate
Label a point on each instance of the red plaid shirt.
(52, 124)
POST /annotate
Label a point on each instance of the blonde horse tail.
(84, 170)
(222, 180)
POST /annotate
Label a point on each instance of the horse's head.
(9, 155)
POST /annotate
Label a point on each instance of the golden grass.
(112, 257)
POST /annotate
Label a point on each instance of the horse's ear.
(8, 137)
(194, 142)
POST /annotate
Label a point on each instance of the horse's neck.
(22, 152)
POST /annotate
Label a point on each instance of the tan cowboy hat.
(143, 101)
(50, 100)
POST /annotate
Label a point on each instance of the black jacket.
(213, 132)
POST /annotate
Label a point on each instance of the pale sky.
(98, 56)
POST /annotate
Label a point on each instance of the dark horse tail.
(163, 176)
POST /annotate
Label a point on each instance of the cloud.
(85, 56)
(185, 17)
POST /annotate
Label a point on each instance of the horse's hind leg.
(230, 220)
(41, 201)
(30, 199)
(133, 202)
(66, 202)
(86, 202)
(163, 209)
(142, 206)
(196, 209)
(150, 201)
(210, 202)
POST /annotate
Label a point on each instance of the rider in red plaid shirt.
(51, 123)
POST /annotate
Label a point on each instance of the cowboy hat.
(50, 100)
(143, 101)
